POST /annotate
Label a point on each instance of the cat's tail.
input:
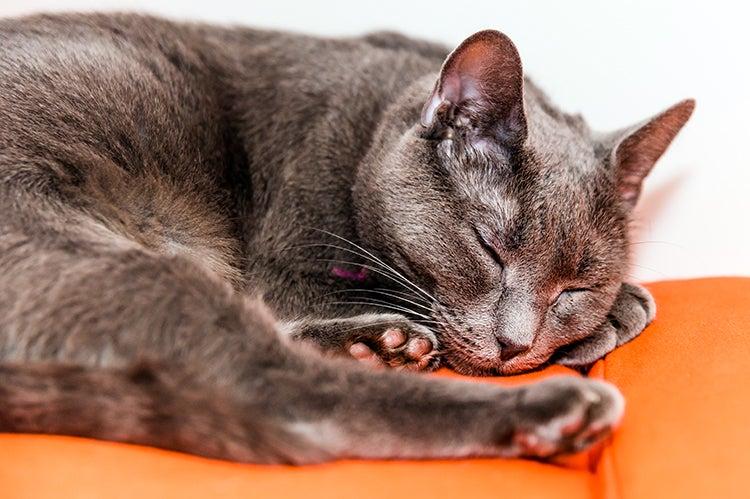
(145, 404)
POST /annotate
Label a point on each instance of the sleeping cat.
(201, 226)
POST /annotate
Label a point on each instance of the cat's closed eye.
(489, 248)
(567, 296)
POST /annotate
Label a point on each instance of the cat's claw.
(410, 347)
(566, 414)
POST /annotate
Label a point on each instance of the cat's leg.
(162, 405)
(73, 291)
(281, 406)
(633, 310)
(102, 337)
(346, 411)
(377, 339)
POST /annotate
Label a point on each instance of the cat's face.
(509, 214)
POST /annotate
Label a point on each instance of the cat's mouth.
(465, 358)
(469, 356)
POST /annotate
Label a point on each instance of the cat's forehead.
(535, 182)
(555, 184)
(543, 198)
(560, 142)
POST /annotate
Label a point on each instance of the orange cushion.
(684, 434)
(686, 381)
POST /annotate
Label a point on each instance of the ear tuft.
(640, 147)
(480, 91)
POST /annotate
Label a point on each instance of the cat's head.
(510, 214)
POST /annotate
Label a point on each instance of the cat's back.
(80, 75)
(118, 119)
(116, 85)
(126, 109)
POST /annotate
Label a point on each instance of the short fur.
(197, 220)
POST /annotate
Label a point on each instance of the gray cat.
(201, 226)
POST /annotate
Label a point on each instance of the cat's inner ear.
(637, 149)
(479, 93)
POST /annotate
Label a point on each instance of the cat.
(202, 225)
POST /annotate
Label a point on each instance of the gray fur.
(180, 202)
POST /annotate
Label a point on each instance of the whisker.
(392, 274)
(404, 308)
(382, 305)
(417, 288)
(368, 267)
(384, 293)
(411, 296)
(668, 243)
(371, 324)
(390, 271)
(363, 326)
(649, 269)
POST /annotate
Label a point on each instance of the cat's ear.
(480, 92)
(634, 151)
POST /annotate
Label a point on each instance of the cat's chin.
(467, 359)
(479, 367)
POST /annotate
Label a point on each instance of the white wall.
(616, 62)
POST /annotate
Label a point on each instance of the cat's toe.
(411, 346)
(420, 347)
(364, 354)
(563, 415)
(393, 338)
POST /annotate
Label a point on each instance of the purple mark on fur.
(350, 275)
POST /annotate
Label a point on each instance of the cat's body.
(162, 185)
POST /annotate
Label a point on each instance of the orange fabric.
(686, 380)
(684, 435)
(35, 467)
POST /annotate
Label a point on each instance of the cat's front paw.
(565, 414)
(401, 344)
(633, 310)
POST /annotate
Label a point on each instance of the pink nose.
(510, 349)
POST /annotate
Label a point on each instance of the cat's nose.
(517, 323)
(510, 348)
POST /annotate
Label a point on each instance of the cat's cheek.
(576, 316)
(562, 330)
(559, 319)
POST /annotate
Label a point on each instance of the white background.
(616, 62)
